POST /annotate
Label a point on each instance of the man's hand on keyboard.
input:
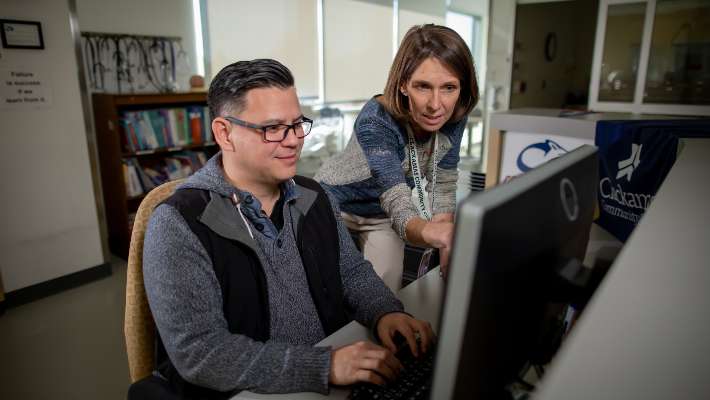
(411, 329)
(363, 362)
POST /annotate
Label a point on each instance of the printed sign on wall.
(23, 88)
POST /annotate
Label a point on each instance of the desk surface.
(422, 298)
(645, 333)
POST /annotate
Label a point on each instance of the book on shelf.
(147, 183)
(129, 138)
(177, 136)
(165, 128)
(207, 130)
(160, 127)
(141, 179)
(131, 179)
(146, 131)
(182, 124)
(195, 115)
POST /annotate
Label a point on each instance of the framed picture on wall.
(21, 34)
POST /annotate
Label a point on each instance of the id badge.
(424, 263)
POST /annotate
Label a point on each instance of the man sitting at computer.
(247, 266)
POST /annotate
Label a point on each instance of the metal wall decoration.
(120, 63)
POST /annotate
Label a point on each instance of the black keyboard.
(414, 382)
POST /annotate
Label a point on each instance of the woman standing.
(412, 131)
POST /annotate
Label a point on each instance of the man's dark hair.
(229, 88)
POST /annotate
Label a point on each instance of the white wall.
(143, 17)
(409, 18)
(499, 56)
(285, 30)
(48, 213)
(358, 48)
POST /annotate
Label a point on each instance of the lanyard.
(417, 174)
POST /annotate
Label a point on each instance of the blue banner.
(634, 159)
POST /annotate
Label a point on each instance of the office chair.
(138, 326)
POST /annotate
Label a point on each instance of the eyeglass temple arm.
(243, 123)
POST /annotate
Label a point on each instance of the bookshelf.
(139, 146)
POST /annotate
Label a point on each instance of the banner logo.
(538, 153)
(630, 176)
(627, 167)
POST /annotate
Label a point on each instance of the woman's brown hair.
(422, 42)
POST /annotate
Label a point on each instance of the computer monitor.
(509, 244)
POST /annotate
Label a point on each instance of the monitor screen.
(509, 244)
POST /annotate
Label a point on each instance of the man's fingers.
(379, 361)
(363, 361)
(379, 366)
(426, 335)
(408, 334)
(393, 362)
(386, 356)
(369, 376)
(388, 343)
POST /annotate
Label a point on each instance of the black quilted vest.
(243, 283)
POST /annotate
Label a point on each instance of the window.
(469, 28)
(285, 30)
(358, 48)
(679, 61)
(652, 56)
(622, 44)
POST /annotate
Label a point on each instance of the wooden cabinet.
(113, 150)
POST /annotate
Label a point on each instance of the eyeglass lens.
(277, 133)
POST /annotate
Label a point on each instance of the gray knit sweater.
(372, 176)
(185, 298)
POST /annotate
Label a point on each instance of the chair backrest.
(138, 325)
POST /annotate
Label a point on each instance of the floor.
(67, 346)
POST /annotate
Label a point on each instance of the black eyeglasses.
(277, 132)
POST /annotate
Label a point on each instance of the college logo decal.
(538, 153)
(627, 167)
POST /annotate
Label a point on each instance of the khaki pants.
(381, 246)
